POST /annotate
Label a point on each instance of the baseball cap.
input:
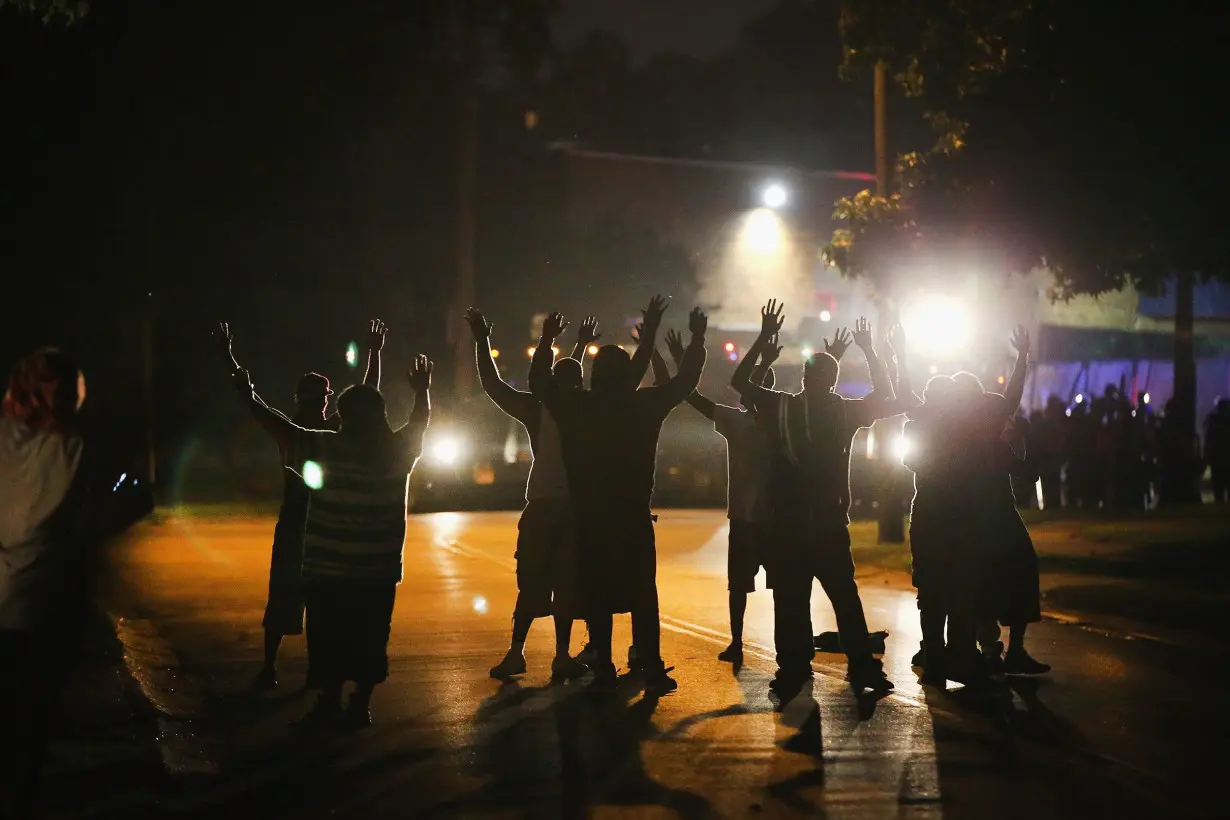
(313, 384)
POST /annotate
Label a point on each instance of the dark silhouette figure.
(546, 533)
(55, 509)
(284, 608)
(1179, 463)
(750, 457)
(1050, 451)
(1217, 450)
(811, 432)
(355, 530)
(610, 437)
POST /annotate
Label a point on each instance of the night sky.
(698, 28)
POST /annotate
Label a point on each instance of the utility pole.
(147, 359)
(467, 194)
(891, 524)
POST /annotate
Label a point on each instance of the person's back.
(40, 517)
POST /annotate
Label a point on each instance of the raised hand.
(674, 344)
(638, 332)
(222, 339)
(842, 340)
(771, 319)
(1020, 340)
(862, 334)
(698, 322)
(896, 339)
(772, 351)
(588, 334)
(478, 323)
(554, 325)
(375, 335)
(651, 316)
(420, 374)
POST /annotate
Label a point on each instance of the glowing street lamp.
(774, 195)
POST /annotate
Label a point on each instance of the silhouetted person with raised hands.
(749, 457)
(284, 609)
(355, 532)
(546, 532)
(610, 437)
(812, 431)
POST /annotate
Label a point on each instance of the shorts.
(284, 608)
(348, 630)
(545, 544)
(745, 555)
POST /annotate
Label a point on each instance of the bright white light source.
(729, 347)
(592, 350)
(352, 354)
(774, 195)
(529, 351)
(901, 448)
(313, 475)
(447, 450)
(1080, 397)
(825, 316)
(763, 231)
(807, 352)
(938, 324)
(1146, 398)
(480, 605)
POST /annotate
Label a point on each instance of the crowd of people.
(1110, 452)
(585, 546)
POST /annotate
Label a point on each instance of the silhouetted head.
(1111, 392)
(612, 370)
(968, 387)
(820, 373)
(362, 408)
(568, 374)
(45, 391)
(312, 394)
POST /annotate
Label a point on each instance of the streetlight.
(774, 195)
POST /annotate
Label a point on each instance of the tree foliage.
(68, 11)
(1084, 142)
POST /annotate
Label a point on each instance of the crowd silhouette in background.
(585, 546)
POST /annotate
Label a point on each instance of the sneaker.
(358, 713)
(566, 668)
(661, 683)
(869, 674)
(732, 654)
(513, 664)
(266, 680)
(1019, 662)
(920, 657)
(605, 678)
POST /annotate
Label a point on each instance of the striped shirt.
(356, 523)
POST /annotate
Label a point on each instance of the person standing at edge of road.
(749, 456)
(812, 432)
(54, 511)
(284, 608)
(547, 530)
(355, 532)
(610, 437)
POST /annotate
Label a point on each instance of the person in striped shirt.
(356, 527)
(285, 605)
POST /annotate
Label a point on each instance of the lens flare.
(313, 475)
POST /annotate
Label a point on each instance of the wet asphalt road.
(1121, 727)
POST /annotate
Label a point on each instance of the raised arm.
(512, 401)
(674, 343)
(842, 339)
(675, 391)
(587, 335)
(651, 320)
(375, 343)
(419, 377)
(274, 422)
(1015, 390)
(881, 384)
(771, 321)
(542, 385)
